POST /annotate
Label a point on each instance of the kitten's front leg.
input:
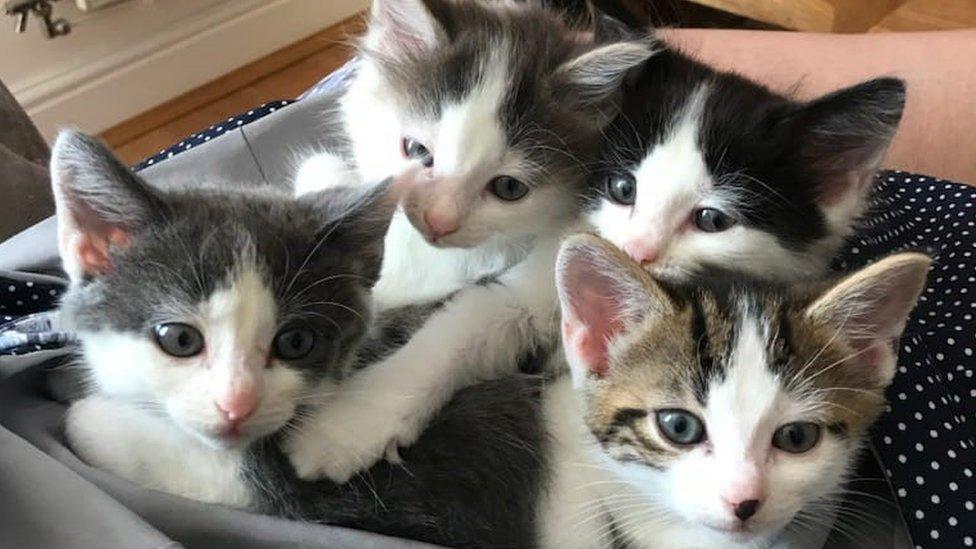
(479, 334)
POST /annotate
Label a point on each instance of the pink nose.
(237, 406)
(744, 494)
(440, 225)
(641, 251)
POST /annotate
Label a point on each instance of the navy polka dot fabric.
(214, 132)
(21, 331)
(927, 440)
(20, 297)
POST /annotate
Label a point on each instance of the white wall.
(128, 58)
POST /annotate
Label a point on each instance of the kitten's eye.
(622, 188)
(508, 188)
(711, 220)
(178, 339)
(415, 150)
(680, 426)
(293, 343)
(797, 438)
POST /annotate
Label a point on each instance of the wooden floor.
(282, 75)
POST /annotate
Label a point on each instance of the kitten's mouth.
(229, 436)
(739, 531)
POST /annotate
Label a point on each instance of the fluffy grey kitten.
(487, 114)
(213, 319)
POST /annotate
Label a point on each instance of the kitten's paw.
(321, 453)
(346, 440)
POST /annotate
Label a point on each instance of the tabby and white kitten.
(486, 112)
(713, 414)
(708, 169)
(211, 320)
(204, 318)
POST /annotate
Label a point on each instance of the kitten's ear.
(870, 308)
(354, 222)
(602, 293)
(846, 134)
(592, 81)
(100, 203)
(399, 27)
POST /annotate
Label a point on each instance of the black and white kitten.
(487, 113)
(708, 169)
(213, 319)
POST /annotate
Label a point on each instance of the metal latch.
(42, 9)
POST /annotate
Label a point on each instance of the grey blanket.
(50, 499)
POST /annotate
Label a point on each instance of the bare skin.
(938, 132)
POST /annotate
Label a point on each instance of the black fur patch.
(838, 429)
(779, 157)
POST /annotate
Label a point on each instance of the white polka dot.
(919, 480)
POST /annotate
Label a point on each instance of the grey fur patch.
(553, 112)
(320, 254)
(473, 479)
(392, 329)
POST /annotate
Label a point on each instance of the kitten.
(486, 112)
(489, 109)
(713, 414)
(203, 313)
(211, 320)
(708, 169)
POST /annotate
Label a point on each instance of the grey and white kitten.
(215, 311)
(708, 169)
(213, 319)
(486, 113)
(724, 413)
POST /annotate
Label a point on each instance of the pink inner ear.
(594, 316)
(94, 239)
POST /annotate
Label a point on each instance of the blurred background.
(146, 73)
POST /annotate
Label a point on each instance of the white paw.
(321, 171)
(349, 436)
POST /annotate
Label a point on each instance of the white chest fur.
(151, 451)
